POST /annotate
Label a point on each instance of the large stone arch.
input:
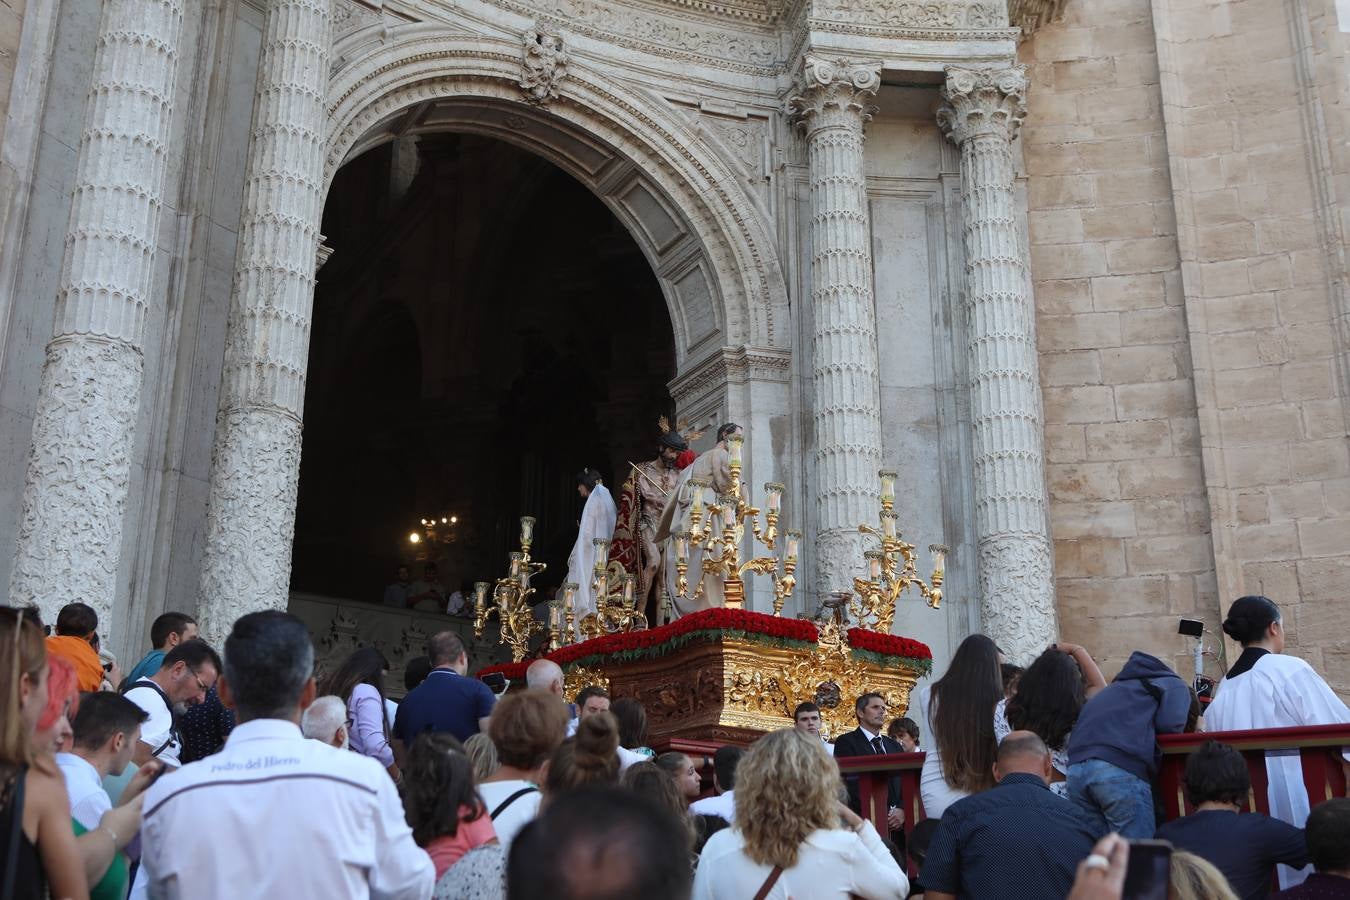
(669, 182)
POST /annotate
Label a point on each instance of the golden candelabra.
(511, 597)
(615, 593)
(717, 524)
(891, 570)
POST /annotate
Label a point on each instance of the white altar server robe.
(1278, 692)
(597, 521)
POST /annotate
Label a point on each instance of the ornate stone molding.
(831, 104)
(981, 111)
(543, 65)
(250, 516)
(79, 464)
(937, 15)
(1030, 15)
(731, 365)
(707, 43)
(983, 102)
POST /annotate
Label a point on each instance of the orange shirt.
(80, 654)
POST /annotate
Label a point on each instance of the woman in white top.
(788, 839)
(959, 711)
(1266, 689)
(526, 727)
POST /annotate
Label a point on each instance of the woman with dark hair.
(1267, 689)
(960, 717)
(1051, 693)
(680, 769)
(359, 681)
(632, 716)
(446, 815)
(649, 780)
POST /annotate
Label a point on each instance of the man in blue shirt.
(1016, 840)
(166, 632)
(447, 700)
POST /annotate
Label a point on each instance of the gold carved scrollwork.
(580, 677)
(832, 679)
(767, 683)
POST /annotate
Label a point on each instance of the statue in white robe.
(1278, 691)
(597, 521)
(712, 467)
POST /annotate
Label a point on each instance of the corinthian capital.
(833, 92)
(984, 101)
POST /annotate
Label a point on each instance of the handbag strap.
(511, 799)
(15, 833)
(769, 883)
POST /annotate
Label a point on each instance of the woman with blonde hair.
(35, 829)
(483, 754)
(791, 836)
(1193, 878)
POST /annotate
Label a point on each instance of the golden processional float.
(728, 674)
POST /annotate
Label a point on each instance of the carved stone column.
(79, 464)
(250, 516)
(831, 105)
(981, 112)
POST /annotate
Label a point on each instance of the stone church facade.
(1076, 269)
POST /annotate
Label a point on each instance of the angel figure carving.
(543, 65)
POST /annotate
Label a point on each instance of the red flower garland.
(715, 621)
(887, 644)
(511, 671)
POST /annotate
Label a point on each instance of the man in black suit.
(869, 739)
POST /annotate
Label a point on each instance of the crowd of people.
(203, 774)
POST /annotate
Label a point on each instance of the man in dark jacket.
(1113, 751)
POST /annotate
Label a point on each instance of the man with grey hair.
(548, 675)
(326, 721)
(272, 814)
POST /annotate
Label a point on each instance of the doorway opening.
(484, 329)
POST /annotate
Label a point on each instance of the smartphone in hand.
(1149, 873)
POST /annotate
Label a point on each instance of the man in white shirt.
(106, 731)
(288, 817)
(723, 803)
(187, 673)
